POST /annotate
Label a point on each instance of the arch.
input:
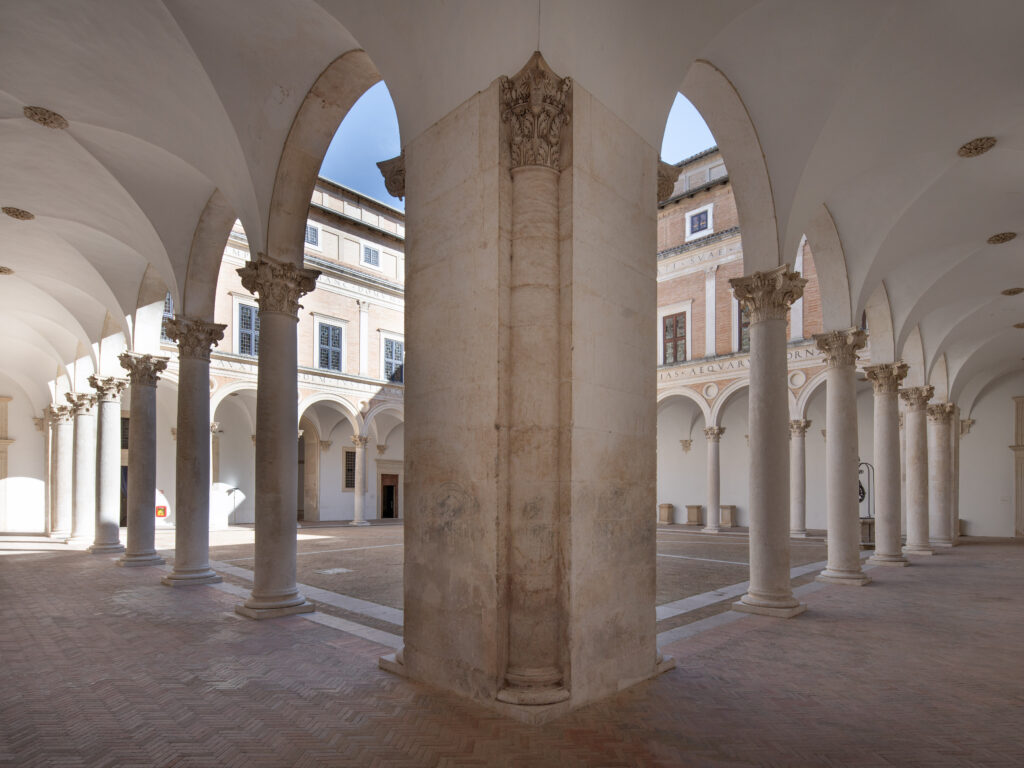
(721, 106)
(880, 330)
(337, 88)
(370, 419)
(723, 399)
(830, 263)
(815, 383)
(912, 353)
(229, 389)
(205, 255)
(348, 410)
(687, 394)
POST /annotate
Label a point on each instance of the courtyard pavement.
(103, 666)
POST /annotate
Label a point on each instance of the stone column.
(940, 476)
(917, 399)
(767, 297)
(954, 468)
(714, 435)
(192, 462)
(903, 472)
(107, 538)
(840, 348)
(358, 509)
(279, 286)
(798, 477)
(143, 371)
(63, 472)
(886, 378)
(83, 482)
(1018, 466)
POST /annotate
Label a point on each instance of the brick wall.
(672, 218)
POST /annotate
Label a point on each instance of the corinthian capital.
(534, 106)
(393, 171)
(886, 377)
(80, 403)
(194, 336)
(768, 295)
(668, 174)
(278, 286)
(941, 413)
(360, 441)
(799, 427)
(917, 398)
(60, 414)
(840, 347)
(143, 370)
(108, 388)
(714, 434)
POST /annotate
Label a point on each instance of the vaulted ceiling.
(857, 107)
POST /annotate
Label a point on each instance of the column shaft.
(83, 517)
(798, 477)
(888, 488)
(107, 538)
(917, 470)
(940, 476)
(714, 436)
(63, 472)
(359, 500)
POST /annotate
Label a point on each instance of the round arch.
(370, 420)
(348, 410)
(723, 399)
(685, 393)
(229, 389)
(799, 410)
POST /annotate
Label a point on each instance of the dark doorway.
(389, 496)
(124, 496)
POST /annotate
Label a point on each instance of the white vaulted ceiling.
(857, 107)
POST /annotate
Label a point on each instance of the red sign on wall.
(161, 511)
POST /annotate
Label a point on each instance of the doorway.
(389, 496)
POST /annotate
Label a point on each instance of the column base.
(187, 579)
(849, 578)
(268, 610)
(798, 534)
(710, 529)
(132, 561)
(939, 543)
(784, 610)
(889, 560)
(60, 535)
(917, 551)
(359, 522)
(106, 549)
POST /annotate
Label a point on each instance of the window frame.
(319, 236)
(362, 256)
(677, 308)
(345, 452)
(236, 322)
(382, 337)
(167, 315)
(337, 322)
(675, 339)
(709, 209)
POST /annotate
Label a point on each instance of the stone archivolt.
(80, 403)
(917, 398)
(941, 412)
(534, 106)
(278, 285)
(194, 336)
(886, 377)
(768, 295)
(108, 388)
(840, 347)
(143, 370)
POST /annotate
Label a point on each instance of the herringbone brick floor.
(102, 666)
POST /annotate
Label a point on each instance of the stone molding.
(768, 295)
(143, 370)
(108, 388)
(194, 336)
(80, 403)
(941, 413)
(668, 175)
(799, 427)
(534, 106)
(360, 441)
(917, 398)
(714, 434)
(393, 171)
(278, 286)
(886, 377)
(840, 347)
(965, 426)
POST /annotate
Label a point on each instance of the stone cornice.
(886, 377)
(534, 106)
(768, 295)
(277, 285)
(699, 243)
(143, 370)
(917, 398)
(840, 347)
(194, 336)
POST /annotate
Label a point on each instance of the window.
(124, 433)
(744, 331)
(700, 223)
(329, 342)
(350, 469)
(248, 330)
(674, 338)
(168, 314)
(313, 235)
(394, 360)
(371, 256)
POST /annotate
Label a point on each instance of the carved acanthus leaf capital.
(61, 414)
(108, 388)
(714, 434)
(686, 445)
(917, 398)
(886, 377)
(277, 285)
(80, 403)
(941, 413)
(840, 347)
(668, 175)
(194, 336)
(534, 104)
(393, 171)
(360, 441)
(143, 370)
(799, 427)
(768, 295)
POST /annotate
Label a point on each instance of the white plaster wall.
(237, 460)
(986, 463)
(735, 456)
(682, 477)
(22, 494)
(335, 502)
(166, 448)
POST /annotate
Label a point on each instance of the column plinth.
(278, 286)
(940, 477)
(767, 296)
(359, 501)
(885, 379)
(917, 399)
(107, 536)
(840, 348)
(83, 494)
(192, 459)
(143, 371)
(714, 436)
(798, 478)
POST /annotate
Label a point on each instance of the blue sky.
(369, 133)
